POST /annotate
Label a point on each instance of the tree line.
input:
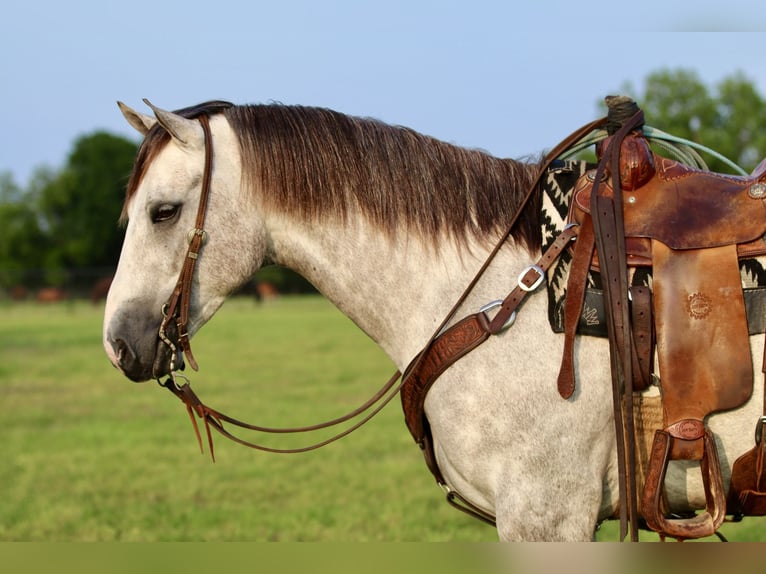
(61, 229)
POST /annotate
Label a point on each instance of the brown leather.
(636, 161)
(607, 213)
(454, 343)
(701, 525)
(642, 321)
(704, 359)
(747, 493)
(687, 208)
(464, 336)
(531, 278)
(215, 419)
(578, 271)
(648, 210)
(177, 307)
(670, 208)
(702, 336)
(641, 318)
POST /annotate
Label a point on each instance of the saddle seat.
(691, 227)
(683, 207)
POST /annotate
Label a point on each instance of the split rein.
(215, 419)
(176, 315)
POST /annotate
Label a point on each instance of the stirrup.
(700, 525)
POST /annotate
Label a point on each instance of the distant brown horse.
(51, 295)
(101, 289)
(18, 293)
(265, 291)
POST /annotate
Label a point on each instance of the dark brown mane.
(317, 163)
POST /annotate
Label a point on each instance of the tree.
(67, 218)
(80, 207)
(22, 241)
(728, 118)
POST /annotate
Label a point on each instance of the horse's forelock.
(155, 140)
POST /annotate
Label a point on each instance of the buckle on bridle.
(197, 232)
(540, 277)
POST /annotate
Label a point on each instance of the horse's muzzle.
(138, 352)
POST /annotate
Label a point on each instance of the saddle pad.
(557, 190)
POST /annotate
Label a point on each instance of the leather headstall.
(177, 307)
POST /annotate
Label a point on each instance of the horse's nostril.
(123, 352)
(125, 358)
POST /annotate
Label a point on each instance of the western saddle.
(689, 228)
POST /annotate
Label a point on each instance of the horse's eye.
(164, 212)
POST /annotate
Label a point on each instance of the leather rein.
(176, 315)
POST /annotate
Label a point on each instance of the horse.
(391, 226)
(100, 289)
(51, 295)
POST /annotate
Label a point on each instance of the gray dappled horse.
(390, 226)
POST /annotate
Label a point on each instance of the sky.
(512, 77)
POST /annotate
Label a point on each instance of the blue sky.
(511, 77)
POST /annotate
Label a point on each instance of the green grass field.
(89, 456)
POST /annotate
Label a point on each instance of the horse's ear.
(185, 131)
(140, 122)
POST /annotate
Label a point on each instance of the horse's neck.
(396, 290)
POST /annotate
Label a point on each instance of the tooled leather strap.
(177, 306)
(463, 337)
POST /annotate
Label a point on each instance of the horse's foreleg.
(553, 506)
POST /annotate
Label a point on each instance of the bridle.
(177, 306)
(176, 314)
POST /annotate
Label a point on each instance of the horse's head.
(161, 208)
